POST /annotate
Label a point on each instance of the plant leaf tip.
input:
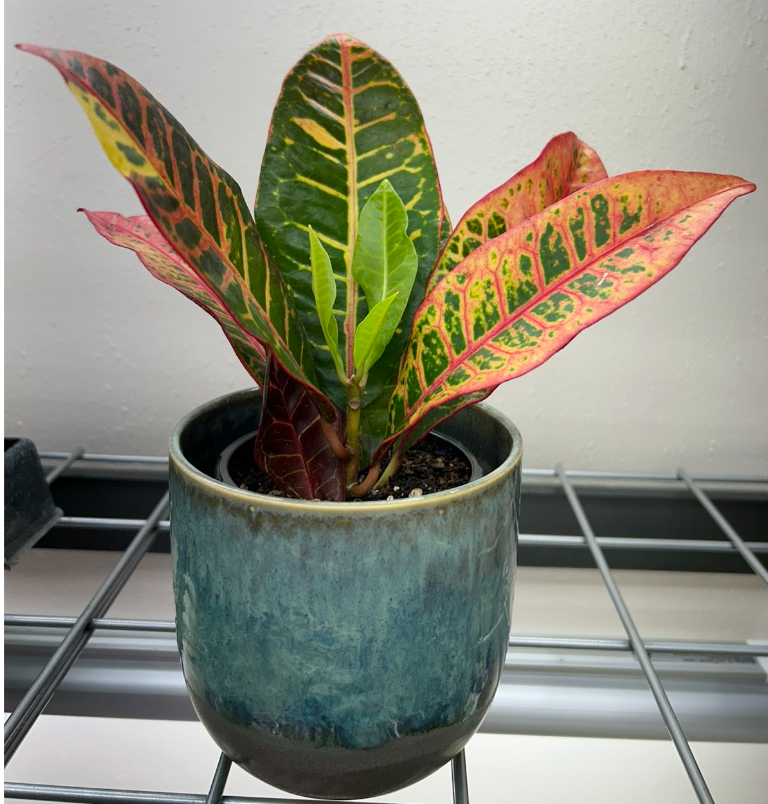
(35, 50)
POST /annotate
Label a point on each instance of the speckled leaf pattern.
(140, 235)
(290, 444)
(523, 296)
(565, 165)
(196, 205)
(345, 121)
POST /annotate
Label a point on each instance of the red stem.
(361, 489)
(334, 442)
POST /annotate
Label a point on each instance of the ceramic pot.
(341, 650)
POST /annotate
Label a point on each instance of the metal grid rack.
(79, 630)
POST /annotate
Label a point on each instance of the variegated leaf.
(522, 296)
(565, 165)
(140, 235)
(196, 205)
(291, 445)
(345, 120)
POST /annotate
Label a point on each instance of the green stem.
(392, 467)
(353, 432)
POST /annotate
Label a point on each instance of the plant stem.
(353, 432)
(334, 442)
(370, 480)
(392, 467)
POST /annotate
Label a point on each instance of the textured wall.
(99, 353)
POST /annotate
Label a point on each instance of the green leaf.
(195, 204)
(371, 336)
(345, 120)
(324, 289)
(385, 260)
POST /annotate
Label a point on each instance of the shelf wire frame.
(219, 781)
(638, 648)
(43, 688)
(80, 629)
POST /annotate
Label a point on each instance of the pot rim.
(470, 489)
(222, 465)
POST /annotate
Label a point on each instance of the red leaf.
(140, 235)
(291, 446)
(522, 296)
(565, 165)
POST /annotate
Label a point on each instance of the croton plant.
(347, 294)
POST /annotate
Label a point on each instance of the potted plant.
(339, 649)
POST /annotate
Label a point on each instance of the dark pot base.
(335, 773)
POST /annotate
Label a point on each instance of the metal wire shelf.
(80, 629)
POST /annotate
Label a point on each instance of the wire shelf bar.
(109, 523)
(46, 621)
(459, 778)
(103, 795)
(35, 700)
(71, 459)
(736, 649)
(662, 701)
(80, 629)
(576, 474)
(724, 525)
(596, 474)
(651, 645)
(528, 539)
(635, 543)
(102, 458)
(219, 781)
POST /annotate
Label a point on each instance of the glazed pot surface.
(341, 650)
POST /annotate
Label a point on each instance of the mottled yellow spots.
(118, 145)
(415, 200)
(318, 133)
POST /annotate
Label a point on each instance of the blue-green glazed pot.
(341, 650)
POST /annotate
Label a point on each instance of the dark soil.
(432, 465)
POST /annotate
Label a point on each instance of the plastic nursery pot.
(29, 508)
(341, 650)
(222, 469)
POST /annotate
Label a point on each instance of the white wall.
(98, 353)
